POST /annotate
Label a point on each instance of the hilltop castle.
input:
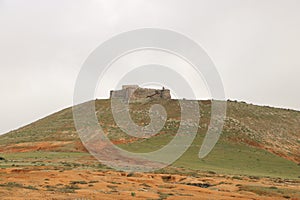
(135, 93)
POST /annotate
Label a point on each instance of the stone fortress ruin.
(135, 93)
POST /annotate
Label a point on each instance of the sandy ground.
(47, 183)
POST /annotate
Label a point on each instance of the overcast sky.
(254, 44)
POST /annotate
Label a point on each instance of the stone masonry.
(135, 93)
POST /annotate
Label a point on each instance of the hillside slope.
(268, 133)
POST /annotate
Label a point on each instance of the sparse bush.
(30, 187)
(94, 182)
(78, 182)
(131, 174)
(211, 172)
(14, 184)
(237, 178)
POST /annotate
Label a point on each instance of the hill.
(256, 140)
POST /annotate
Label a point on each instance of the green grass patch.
(226, 158)
(272, 191)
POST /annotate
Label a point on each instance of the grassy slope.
(227, 158)
(248, 132)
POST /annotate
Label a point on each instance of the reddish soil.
(33, 146)
(47, 183)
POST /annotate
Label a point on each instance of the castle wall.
(133, 92)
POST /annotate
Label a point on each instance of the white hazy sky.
(254, 44)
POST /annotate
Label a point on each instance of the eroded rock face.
(135, 93)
